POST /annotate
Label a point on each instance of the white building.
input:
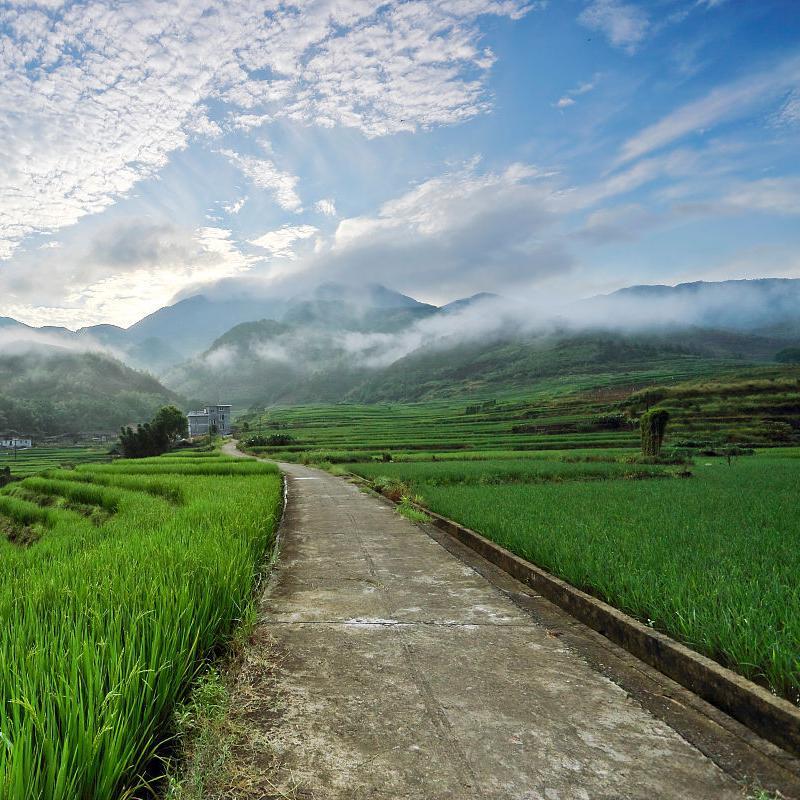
(216, 418)
(16, 444)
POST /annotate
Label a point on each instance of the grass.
(505, 471)
(106, 628)
(711, 560)
(38, 459)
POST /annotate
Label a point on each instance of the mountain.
(46, 390)
(187, 328)
(769, 306)
(341, 341)
(191, 325)
(468, 302)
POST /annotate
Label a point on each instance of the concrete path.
(402, 673)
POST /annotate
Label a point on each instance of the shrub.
(273, 440)
(653, 424)
(391, 488)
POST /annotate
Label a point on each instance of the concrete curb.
(775, 719)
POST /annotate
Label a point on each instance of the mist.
(762, 306)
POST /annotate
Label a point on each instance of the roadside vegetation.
(118, 583)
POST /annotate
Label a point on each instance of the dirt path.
(403, 673)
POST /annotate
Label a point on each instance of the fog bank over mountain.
(270, 338)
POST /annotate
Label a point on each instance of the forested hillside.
(50, 390)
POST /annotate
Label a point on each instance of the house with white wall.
(213, 418)
(15, 443)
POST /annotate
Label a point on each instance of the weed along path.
(400, 672)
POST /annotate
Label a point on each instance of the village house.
(212, 419)
(15, 443)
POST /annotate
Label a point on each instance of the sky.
(153, 150)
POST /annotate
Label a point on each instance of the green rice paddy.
(116, 583)
(37, 459)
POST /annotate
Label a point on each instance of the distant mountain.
(369, 308)
(191, 325)
(468, 302)
(339, 341)
(48, 390)
(770, 306)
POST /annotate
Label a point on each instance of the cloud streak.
(722, 104)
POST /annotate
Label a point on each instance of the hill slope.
(50, 390)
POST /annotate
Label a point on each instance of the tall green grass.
(105, 628)
(503, 471)
(160, 486)
(146, 466)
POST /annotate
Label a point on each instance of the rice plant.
(104, 628)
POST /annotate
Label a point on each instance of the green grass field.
(38, 459)
(758, 406)
(711, 560)
(116, 583)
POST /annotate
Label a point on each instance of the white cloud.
(280, 243)
(95, 96)
(789, 113)
(452, 234)
(625, 25)
(771, 195)
(265, 175)
(126, 273)
(235, 206)
(721, 104)
(326, 207)
(246, 122)
(583, 88)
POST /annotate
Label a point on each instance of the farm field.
(37, 459)
(711, 560)
(117, 582)
(758, 406)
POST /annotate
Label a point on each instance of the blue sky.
(148, 150)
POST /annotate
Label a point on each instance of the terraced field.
(758, 407)
(38, 459)
(710, 559)
(116, 582)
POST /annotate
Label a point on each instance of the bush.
(613, 422)
(391, 488)
(274, 440)
(653, 425)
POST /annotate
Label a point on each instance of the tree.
(653, 425)
(154, 437)
(789, 355)
(172, 422)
